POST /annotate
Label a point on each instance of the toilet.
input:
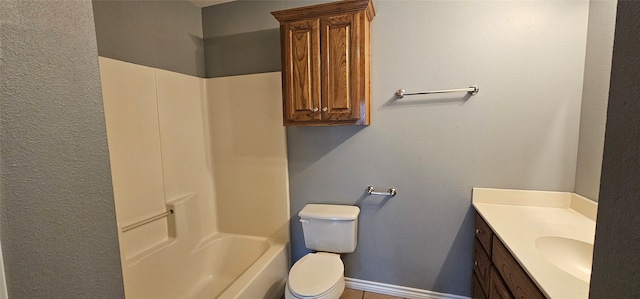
(329, 230)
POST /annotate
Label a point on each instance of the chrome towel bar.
(473, 90)
(145, 221)
(390, 192)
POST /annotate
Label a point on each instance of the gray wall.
(616, 262)
(520, 131)
(161, 34)
(243, 37)
(58, 225)
(595, 93)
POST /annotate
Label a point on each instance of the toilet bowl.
(316, 276)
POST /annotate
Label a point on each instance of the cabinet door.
(340, 68)
(476, 290)
(301, 98)
(497, 289)
(514, 276)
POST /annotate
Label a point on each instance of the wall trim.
(394, 290)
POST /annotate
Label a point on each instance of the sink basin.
(570, 255)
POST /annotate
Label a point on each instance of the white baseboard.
(398, 291)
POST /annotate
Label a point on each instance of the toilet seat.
(315, 275)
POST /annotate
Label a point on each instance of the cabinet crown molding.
(325, 9)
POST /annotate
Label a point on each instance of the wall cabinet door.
(340, 68)
(301, 72)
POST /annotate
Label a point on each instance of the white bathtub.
(225, 266)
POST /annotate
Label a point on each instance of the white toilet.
(329, 230)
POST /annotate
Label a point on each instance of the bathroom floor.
(355, 294)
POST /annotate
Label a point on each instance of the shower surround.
(208, 158)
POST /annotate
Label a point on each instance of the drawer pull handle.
(477, 231)
(475, 263)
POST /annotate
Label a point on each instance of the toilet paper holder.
(389, 192)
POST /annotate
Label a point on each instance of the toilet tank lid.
(329, 212)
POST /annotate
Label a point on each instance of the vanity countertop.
(540, 229)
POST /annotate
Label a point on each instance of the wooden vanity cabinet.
(496, 273)
(325, 63)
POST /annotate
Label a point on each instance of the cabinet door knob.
(315, 109)
(475, 263)
(477, 231)
(324, 109)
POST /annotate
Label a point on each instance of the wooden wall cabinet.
(496, 273)
(325, 63)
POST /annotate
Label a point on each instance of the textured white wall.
(615, 256)
(59, 236)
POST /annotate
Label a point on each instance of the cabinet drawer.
(476, 290)
(483, 233)
(514, 276)
(481, 266)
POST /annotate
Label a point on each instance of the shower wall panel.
(129, 93)
(160, 153)
(249, 154)
(186, 149)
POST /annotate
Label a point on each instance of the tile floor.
(355, 294)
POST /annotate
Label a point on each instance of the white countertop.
(520, 217)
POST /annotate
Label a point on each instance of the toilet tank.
(330, 228)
